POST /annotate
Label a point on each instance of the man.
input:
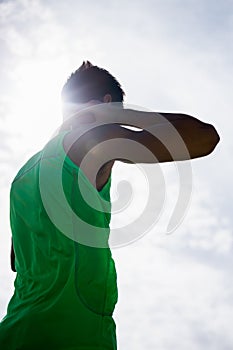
(65, 287)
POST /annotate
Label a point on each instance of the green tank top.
(65, 291)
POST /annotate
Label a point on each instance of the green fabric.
(65, 292)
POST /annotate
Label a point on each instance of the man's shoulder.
(31, 163)
(51, 149)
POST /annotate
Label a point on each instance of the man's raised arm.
(163, 137)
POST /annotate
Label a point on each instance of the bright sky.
(175, 291)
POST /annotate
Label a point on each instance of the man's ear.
(107, 98)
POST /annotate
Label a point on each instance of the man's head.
(91, 83)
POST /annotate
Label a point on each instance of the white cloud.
(171, 302)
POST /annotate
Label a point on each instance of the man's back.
(65, 292)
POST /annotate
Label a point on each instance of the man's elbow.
(212, 138)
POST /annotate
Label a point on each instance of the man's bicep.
(129, 145)
(117, 142)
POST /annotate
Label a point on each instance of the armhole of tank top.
(75, 166)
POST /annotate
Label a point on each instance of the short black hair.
(90, 82)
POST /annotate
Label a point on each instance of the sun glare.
(36, 113)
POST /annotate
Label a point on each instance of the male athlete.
(65, 289)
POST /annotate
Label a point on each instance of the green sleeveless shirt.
(65, 291)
